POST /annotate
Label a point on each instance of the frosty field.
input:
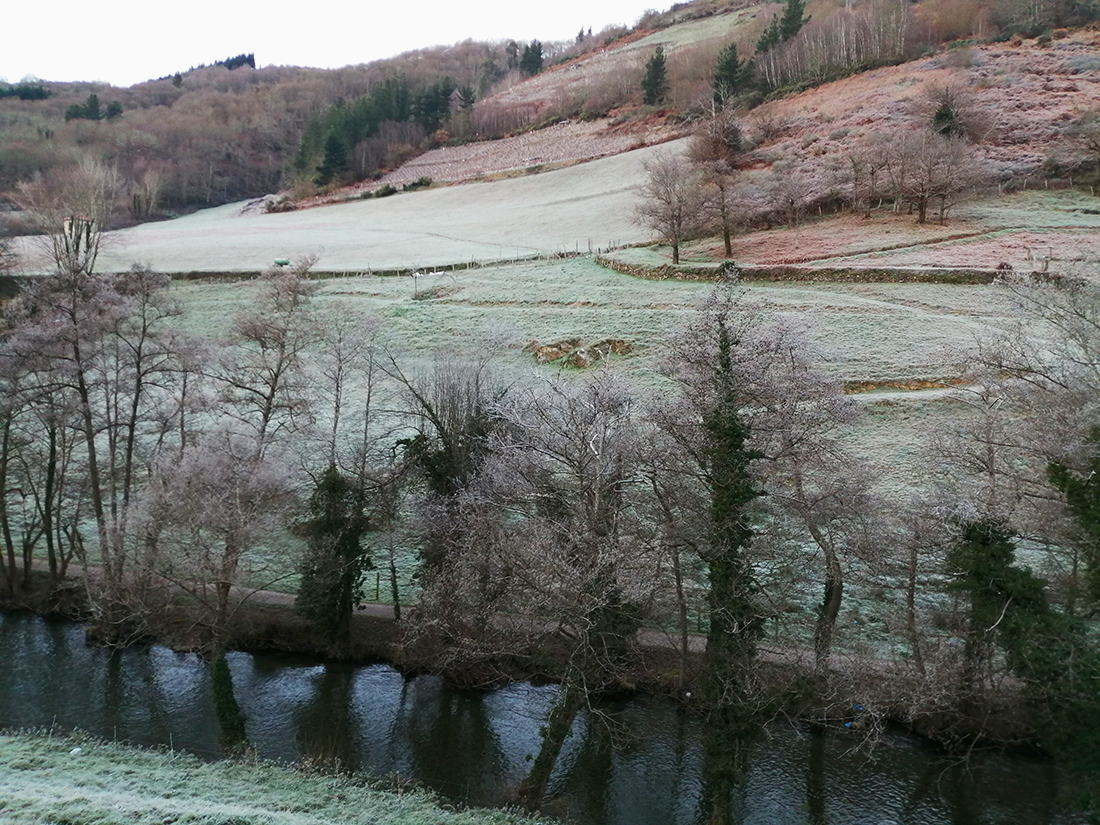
(567, 209)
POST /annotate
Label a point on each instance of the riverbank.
(862, 693)
(80, 780)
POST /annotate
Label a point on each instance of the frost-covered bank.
(82, 781)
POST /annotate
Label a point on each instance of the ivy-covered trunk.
(734, 624)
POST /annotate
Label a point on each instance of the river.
(636, 762)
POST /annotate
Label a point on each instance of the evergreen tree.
(734, 622)
(655, 79)
(1052, 653)
(335, 162)
(432, 105)
(731, 75)
(1082, 492)
(92, 110)
(770, 37)
(531, 62)
(794, 18)
(784, 27)
(332, 569)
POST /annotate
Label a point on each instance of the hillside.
(537, 193)
(212, 135)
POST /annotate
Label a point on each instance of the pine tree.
(655, 80)
(784, 27)
(335, 162)
(531, 62)
(770, 36)
(730, 75)
(794, 18)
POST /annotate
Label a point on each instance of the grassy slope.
(545, 213)
(45, 779)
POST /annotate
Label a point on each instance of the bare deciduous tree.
(264, 381)
(940, 168)
(671, 200)
(72, 208)
(208, 520)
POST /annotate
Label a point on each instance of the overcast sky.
(127, 41)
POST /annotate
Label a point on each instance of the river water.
(632, 763)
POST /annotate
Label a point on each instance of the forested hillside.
(229, 131)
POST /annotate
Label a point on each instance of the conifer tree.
(333, 567)
(655, 80)
(784, 27)
(794, 18)
(770, 36)
(730, 75)
(335, 162)
(531, 62)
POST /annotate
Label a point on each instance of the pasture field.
(875, 333)
(564, 210)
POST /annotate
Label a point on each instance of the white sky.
(127, 41)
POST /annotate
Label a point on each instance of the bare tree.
(1086, 130)
(453, 406)
(554, 551)
(100, 348)
(8, 258)
(1044, 378)
(72, 208)
(671, 200)
(714, 150)
(264, 380)
(952, 111)
(205, 520)
(576, 455)
(937, 171)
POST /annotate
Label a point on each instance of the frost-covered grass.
(64, 780)
(863, 332)
(503, 220)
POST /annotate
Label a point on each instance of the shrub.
(423, 182)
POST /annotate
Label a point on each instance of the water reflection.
(639, 763)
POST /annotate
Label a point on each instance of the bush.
(384, 191)
(423, 182)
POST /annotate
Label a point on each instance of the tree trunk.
(394, 590)
(48, 497)
(9, 567)
(830, 606)
(682, 615)
(911, 612)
